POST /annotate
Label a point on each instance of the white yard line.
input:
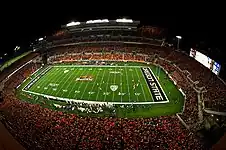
(134, 89)
(94, 82)
(42, 82)
(36, 71)
(84, 90)
(142, 86)
(63, 81)
(48, 68)
(94, 102)
(35, 76)
(98, 102)
(147, 85)
(127, 84)
(114, 84)
(52, 77)
(62, 66)
(84, 70)
(100, 83)
(121, 83)
(72, 90)
(106, 87)
(60, 78)
(159, 85)
(72, 73)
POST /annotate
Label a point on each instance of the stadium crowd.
(216, 89)
(190, 112)
(36, 127)
(105, 38)
(95, 54)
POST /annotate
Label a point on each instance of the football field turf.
(118, 84)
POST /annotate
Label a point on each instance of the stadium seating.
(215, 92)
(35, 126)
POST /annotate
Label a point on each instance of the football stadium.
(111, 84)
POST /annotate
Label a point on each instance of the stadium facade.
(113, 68)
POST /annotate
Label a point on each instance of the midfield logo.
(114, 87)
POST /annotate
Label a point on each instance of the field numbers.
(119, 93)
(53, 84)
(114, 87)
(106, 93)
(66, 71)
(137, 94)
(112, 84)
(91, 93)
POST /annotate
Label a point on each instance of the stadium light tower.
(178, 41)
(16, 48)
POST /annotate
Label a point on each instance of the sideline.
(87, 101)
(90, 102)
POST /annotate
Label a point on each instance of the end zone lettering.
(154, 87)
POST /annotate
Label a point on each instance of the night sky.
(200, 25)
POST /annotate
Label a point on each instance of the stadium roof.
(101, 22)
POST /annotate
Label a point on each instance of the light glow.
(124, 20)
(179, 37)
(73, 24)
(97, 21)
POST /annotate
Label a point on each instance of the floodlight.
(73, 24)
(179, 37)
(97, 21)
(124, 20)
(40, 39)
(178, 41)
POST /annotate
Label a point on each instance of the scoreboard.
(206, 61)
(216, 68)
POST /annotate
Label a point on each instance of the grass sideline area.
(11, 61)
(61, 81)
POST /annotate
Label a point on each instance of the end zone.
(156, 90)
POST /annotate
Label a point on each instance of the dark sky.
(202, 24)
(37, 19)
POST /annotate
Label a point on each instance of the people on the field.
(35, 126)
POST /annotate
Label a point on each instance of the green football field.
(93, 83)
(117, 84)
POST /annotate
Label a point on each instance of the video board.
(206, 61)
